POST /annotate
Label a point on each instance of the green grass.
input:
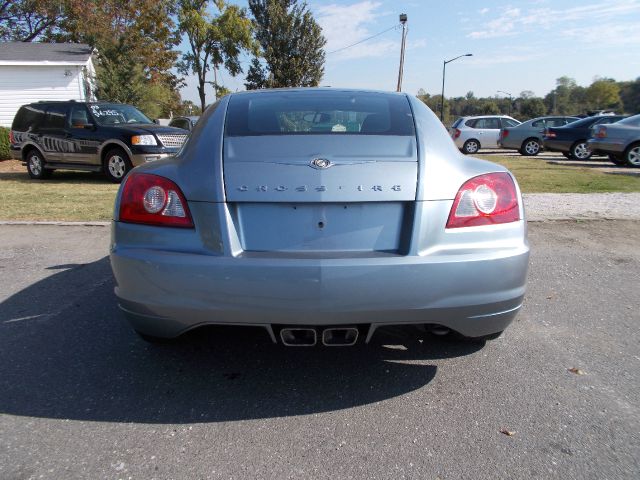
(75, 196)
(71, 196)
(538, 175)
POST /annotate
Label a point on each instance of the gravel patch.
(582, 206)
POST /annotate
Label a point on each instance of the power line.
(363, 40)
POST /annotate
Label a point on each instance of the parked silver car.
(470, 134)
(620, 140)
(527, 137)
(320, 215)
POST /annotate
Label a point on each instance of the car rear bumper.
(598, 146)
(165, 293)
(557, 145)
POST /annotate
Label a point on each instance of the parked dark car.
(100, 137)
(621, 141)
(527, 137)
(185, 123)
(571, 139)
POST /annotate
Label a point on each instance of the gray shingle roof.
(44, 52)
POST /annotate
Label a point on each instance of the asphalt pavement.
(557, 396)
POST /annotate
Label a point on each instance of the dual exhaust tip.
(330, 337)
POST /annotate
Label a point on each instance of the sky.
(516, 45)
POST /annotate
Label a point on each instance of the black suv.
(101, 137)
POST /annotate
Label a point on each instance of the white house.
(30, 72)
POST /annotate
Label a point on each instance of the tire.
(617, 160)
(470, 147)
(580, 150)
(530, 147)
(116, 165)
(632, 155)
(35, 165)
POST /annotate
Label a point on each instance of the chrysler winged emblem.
(320, 163)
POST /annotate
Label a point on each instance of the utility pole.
(403, 21)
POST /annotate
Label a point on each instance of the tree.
(630, 95)
(532, 107)
(214, 40)
(256, 76)
(604, 93)
(292, 43)
(29, 20)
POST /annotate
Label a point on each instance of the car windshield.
(326, 113)
(116, 114)
(631, 121)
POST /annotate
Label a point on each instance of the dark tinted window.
(556, 122)
(488, 123)
(180, 123)
(507, 122)
(456, 123)
(78, 116)
(538, 124)
(318, 112)
(28, 118)
(55, 116)
(605, 120)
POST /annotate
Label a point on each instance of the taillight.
(600, 132)
(549, 134)
(153, 200)
(456, 133)
(485, 200)
(12, 139)
(504, 133)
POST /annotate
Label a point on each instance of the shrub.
(4, 144)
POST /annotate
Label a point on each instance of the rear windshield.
(633, 121)
(318, 112)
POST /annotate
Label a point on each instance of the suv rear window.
(28, 118)
(324, 113)
(55, 117)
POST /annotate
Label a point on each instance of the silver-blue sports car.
(321, 215)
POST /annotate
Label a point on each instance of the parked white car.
(470, 134)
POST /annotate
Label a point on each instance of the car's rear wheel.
(470, 147)
(580, 150)
(35, 165)
(617, 159)
(530, 147)
(117, 164)
(632, 155)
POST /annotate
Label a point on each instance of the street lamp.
(444, 67)
(507, 93)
